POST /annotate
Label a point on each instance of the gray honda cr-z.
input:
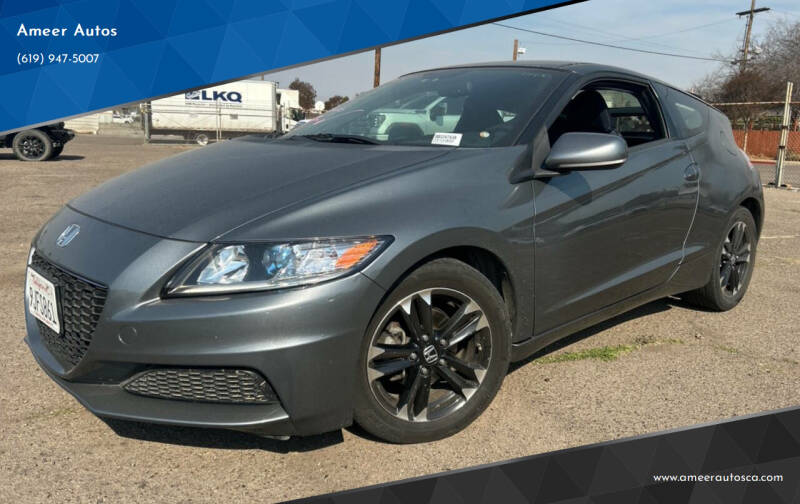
(295, 285)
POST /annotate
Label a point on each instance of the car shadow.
(219, 438)
(678, 302)
(658, 306)
(357, 430)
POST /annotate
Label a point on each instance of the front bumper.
(304, 341)
(112, 401)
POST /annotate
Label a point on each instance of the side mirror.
(587, 151)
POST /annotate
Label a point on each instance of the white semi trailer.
(219, 112)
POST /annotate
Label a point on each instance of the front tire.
(733, 265)
(32, 145)
(434, 355)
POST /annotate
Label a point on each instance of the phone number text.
(50, 58)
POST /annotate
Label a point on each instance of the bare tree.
(709, 86)
(764, 79)
(749, 85)
(780, 56)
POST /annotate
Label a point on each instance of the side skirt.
(530, 346)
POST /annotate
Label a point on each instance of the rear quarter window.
(689, 115)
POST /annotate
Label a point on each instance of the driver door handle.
(691, 173)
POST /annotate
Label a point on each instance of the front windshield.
(466, 107)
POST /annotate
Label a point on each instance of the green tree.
(335, 101)
(307, 93)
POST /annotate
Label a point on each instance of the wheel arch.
(8, 141)
(756, 210)
(487, 262)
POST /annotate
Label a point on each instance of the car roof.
(575, 67)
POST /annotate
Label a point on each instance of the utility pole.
(376, 81)
(750, 15)
(517, 50)
(146, 112)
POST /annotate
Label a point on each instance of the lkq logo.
(207, 95)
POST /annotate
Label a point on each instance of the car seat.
(587, 112)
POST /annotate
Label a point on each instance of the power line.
(785, 13)
(615, 36)
(613, 46)
(620, 38)
(581, 27)
(659, 35)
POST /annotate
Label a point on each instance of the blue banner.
(62, 58)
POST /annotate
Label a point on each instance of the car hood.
(202, 194)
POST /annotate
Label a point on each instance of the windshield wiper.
(336, 138)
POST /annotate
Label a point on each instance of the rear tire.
(32, 145)
(434, 355)
(734, 259)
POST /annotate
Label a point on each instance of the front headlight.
(224, 268)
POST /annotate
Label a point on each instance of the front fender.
(391, 267)
(463, 199)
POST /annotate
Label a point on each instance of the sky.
(666, 26)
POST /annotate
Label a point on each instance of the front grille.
(81, 303)
(206, 385)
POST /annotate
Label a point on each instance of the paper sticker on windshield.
(451, 139)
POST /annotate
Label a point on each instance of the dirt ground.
(662, 366)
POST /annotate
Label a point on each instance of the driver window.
(628, 110)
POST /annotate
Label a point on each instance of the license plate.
(40, 293)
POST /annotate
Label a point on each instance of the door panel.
(604, 235)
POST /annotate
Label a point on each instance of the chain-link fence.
(788, 158)
(791, 165)
(769, 133)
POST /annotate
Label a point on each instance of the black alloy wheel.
(32, 145)
(434, 354)
(430, 355)
(735, 259)
(732, 265)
